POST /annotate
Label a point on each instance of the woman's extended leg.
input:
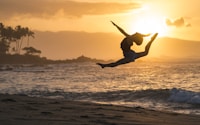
(119, 62)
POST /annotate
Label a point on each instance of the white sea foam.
(183, 96)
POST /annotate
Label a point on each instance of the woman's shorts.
(130, 55)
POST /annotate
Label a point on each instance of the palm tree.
(17, 35)
(6, 36)
(4, 47)
(30, 34)
(21, 33)
(1, 28)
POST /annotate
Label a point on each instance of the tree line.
(12, 39)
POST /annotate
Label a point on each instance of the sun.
(149, 24)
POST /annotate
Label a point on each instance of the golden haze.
(177, 19)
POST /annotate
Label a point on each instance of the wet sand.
(23, 110)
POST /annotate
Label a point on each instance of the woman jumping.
(127, 42)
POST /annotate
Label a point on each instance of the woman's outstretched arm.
(120, 29)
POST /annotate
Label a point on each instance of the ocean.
(164, 86)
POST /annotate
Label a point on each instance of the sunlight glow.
(149, 24)
(147, 20)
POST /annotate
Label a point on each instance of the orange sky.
(172, 18)
(90, 16)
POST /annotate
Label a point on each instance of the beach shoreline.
(23, 110)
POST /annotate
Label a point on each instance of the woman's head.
(137, 38)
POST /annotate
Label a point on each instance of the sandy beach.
(24, 110)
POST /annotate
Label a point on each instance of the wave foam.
(183, 96)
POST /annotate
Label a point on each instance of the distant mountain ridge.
(70, 44)
(174, 47)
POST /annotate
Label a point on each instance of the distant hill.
(68, 44)
(31, 59)
(173, 47)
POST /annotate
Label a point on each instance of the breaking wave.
(160, 95)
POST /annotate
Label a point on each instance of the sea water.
(165, 86)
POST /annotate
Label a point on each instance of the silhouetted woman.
(127, 42)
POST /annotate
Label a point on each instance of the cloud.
(188, 25)
(68, 8)
(179, 22)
